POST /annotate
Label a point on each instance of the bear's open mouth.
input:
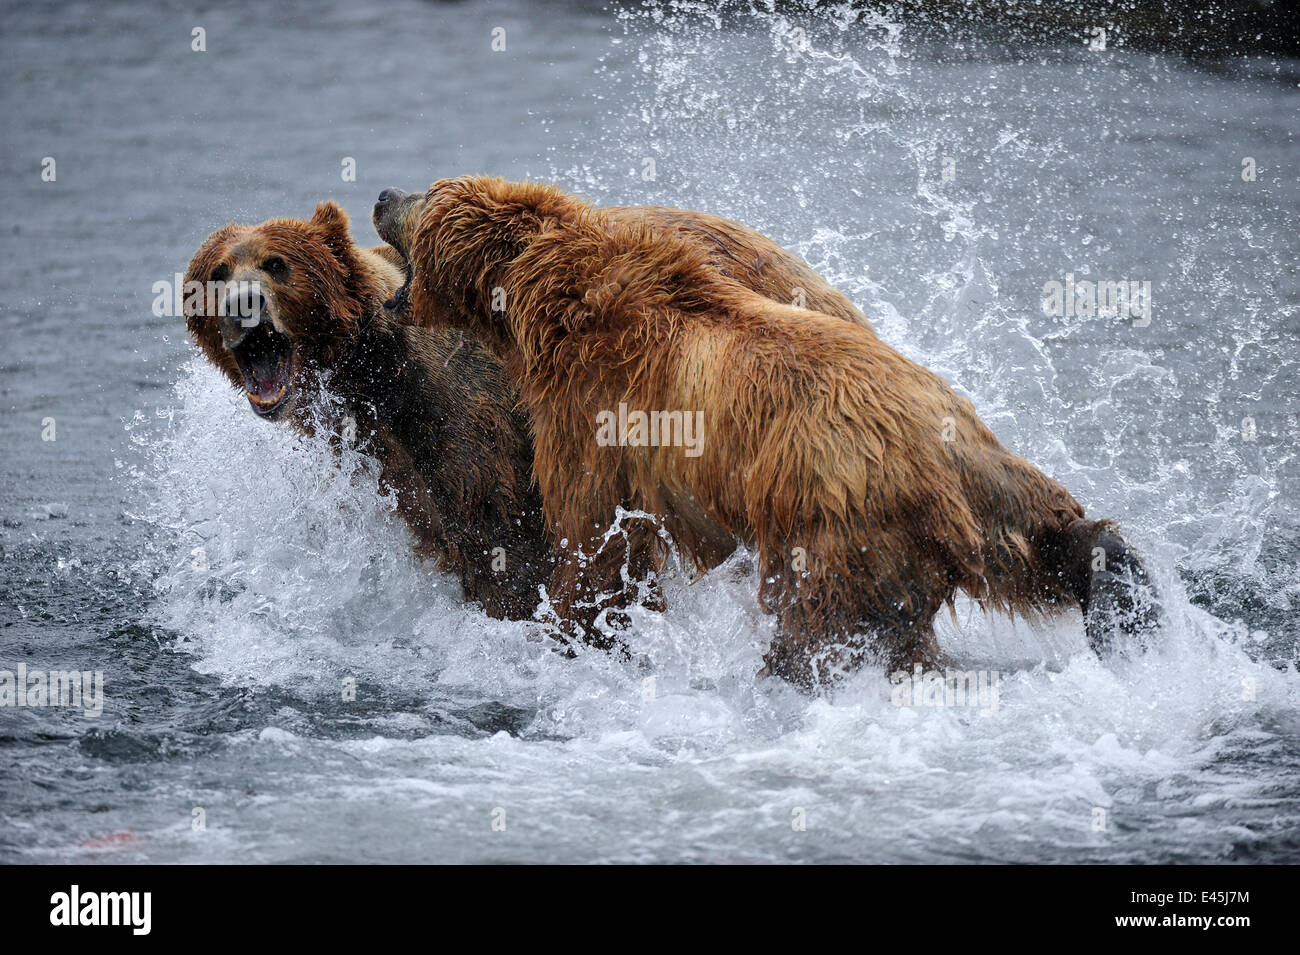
(265, 357)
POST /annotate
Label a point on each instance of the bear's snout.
(246, 307)
(386, 211)
(389, 211)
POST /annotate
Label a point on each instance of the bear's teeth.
(257, 398)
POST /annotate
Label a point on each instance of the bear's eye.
(276, 267)
(221, 273)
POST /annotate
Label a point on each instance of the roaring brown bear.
(870, 491)
(290, 303)
(296, 305)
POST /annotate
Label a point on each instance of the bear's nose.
(245, 307)
(392, 195)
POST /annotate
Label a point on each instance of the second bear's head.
(273, 305)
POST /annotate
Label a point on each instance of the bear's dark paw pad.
(398, 298)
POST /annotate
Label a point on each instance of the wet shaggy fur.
(432, 406)
(593, 582)
(737, 251)
(870, 491)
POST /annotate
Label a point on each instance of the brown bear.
(293, 302)
(620, 569)
(870, 491)
(433, 406)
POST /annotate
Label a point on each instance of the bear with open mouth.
(299, 307)
(870, 491)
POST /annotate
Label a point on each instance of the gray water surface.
(223, 676)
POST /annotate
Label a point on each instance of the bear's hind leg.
(810, 660)
(831, 625)
(1110, 581)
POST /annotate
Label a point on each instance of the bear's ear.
(333, 222)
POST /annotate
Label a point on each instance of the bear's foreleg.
(593, 584)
